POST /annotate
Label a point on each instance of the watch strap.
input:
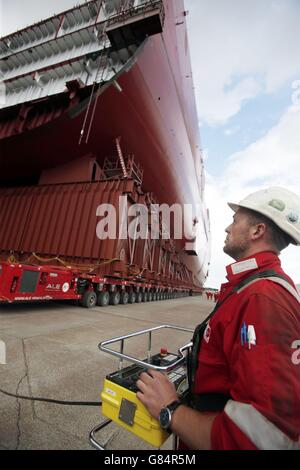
(172, 407)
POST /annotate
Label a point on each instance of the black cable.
(50, 400)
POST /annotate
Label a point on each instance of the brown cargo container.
(56, 224)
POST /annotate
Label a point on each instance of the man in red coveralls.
(246, 385)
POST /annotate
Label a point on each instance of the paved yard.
(52, 351)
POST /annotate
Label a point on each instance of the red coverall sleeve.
(264, 375)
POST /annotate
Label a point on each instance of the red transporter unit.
(30, 283)
(24, 283)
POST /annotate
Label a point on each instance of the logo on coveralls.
(207, 333)
(248, 336)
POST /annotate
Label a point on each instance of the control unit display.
(128, 376)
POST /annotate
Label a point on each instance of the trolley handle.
(122, 356)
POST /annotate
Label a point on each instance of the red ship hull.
(153, 112)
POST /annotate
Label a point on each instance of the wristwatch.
(165, 415)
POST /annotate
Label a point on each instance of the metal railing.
(103, 346)
(122, 356)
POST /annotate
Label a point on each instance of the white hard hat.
(278, 204)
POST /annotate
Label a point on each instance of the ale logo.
(2, 353)
(65, 287)
(296, 354)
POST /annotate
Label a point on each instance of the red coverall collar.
(240, 269)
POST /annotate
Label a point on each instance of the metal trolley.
(173, 365)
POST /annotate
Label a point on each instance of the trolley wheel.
(139, 297)
(103, 299)
(124, 298)
(115, 298)
(132, 297)
(89, 299)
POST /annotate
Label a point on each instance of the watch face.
(165, 418)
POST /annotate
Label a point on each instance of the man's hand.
(191, 426)
(156, 391)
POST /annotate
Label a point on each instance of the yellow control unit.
(119, 401)
(122, 406)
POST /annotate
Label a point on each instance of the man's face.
(238, 238)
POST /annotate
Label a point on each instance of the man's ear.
(258, 231)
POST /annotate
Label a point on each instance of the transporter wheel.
(154, 296)
(145, 297)
(124, 298)
(89, 299)
(139, 297)
(132, 297)
(150, 296)
(103, 299)
(115, 298)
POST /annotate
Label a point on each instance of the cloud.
(253, 45)
(273, 160)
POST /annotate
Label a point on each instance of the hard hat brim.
(234, 207)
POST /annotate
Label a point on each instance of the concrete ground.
(52, 351)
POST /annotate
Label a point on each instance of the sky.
(246, 69)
